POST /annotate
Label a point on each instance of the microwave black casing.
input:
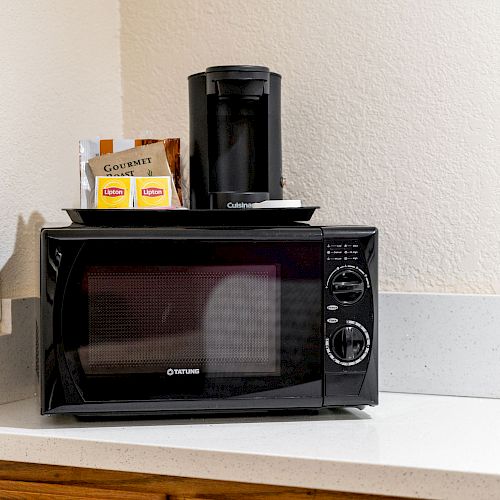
(336, 384)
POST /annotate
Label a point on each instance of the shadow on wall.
(19, 278)
(19, 275)
(18, 353)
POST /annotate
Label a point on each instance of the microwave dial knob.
(347, 285)
(348, 345)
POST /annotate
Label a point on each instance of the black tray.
(129, 217)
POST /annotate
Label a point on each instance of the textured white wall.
(390, 114)
(60, 82)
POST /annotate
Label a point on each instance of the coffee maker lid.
(235, 68)
(213, 69)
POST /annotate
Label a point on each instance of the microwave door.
(171, 320)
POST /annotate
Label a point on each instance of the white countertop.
(410, 445)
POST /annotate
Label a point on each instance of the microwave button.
(331, 307)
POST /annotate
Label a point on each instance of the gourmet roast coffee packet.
(145, 161)
(129, 158)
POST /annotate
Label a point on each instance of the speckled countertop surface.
(410, 445)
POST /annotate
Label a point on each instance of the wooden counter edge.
(26, 480)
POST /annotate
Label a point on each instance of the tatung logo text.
(183, 371)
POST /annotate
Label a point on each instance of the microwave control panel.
(349, 302)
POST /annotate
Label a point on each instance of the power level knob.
(346, 285)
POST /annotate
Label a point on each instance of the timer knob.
(346, 285)
(348, 345)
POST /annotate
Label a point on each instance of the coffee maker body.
(235, 137)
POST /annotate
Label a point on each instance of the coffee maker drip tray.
(181, 217)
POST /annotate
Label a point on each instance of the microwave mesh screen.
(219, 319)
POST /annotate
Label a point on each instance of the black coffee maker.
(235, 137)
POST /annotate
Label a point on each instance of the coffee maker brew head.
(235, 137)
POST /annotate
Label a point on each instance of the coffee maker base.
(233, 199)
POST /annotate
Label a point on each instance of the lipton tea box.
(153, 192)
(114, 192)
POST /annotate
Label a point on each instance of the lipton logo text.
(152, 192)
(113, 192)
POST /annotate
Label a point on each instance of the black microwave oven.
(185, 320)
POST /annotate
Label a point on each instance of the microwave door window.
(240, 324)
(219, 321)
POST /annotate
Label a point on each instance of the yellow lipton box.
(114, 192)
(153, 192)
